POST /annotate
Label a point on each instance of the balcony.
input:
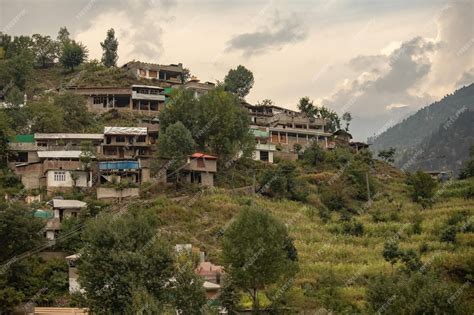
(148, 97)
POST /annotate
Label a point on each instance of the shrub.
(422, 188)
(448, 235)
(353, 228)
(334, 197)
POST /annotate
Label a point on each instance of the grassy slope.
(351, 258)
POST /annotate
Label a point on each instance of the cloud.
(413, 75)
(138, 27)
(283, 31)
(467, 78)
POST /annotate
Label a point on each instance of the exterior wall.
(256, 155)
(286, 156)
(30, 175)
(68, 182)
(106, 193)
(207, 179)
(145, 175)
(209, 165)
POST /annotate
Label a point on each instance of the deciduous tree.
(72, 55)
(239, 81)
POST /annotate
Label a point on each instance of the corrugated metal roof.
(60, 154)
(136, 131)
(44, 214)
(86, 136)
(198, 155)
(68, 204)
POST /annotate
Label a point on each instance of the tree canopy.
(110, 46)
(73, 54)
(254, 251)
(239, 81)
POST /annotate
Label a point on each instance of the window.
(153, 73)
(141, 138)
(120, 139)
(59, 176)
(142, 72)
(264, 156)
(200, 163)
(99, 100)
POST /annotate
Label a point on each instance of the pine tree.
(110, 46)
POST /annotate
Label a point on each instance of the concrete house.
(62, 209)
(199, 88)
(172, 74)
(200, 169)
(74, 285)
(142, 99)
(288, 127)
(264, 150)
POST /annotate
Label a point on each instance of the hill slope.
(417, 130)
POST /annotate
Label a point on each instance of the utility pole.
(368, 186)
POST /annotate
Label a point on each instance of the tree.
(45, 116)
(253, 252)
(175, 144)
(314, 155)
(423, 187)
(189, 294)
(63, 36)
(387, 155)
(239, 81)
(215, 120)
(76, 116)
(391, 252)
(230, 296)
(5, 133)
(305, 105)
(110, 46)
(118, 269)
(72, 55)
(186, 75)
(468, 169)
(333, 122)
(16, 71)
(45, 49)
(347, 117)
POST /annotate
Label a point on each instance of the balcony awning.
(119, 165)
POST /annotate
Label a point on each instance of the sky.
(379, 60)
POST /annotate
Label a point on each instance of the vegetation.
(239, 81)
(387, 155)
(72, 55)
(110, 46)
(254, 252)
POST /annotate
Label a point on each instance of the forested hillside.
(415, 131)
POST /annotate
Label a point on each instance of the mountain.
(437, 137)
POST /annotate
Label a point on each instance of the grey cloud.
(283, 31)
(365, 63)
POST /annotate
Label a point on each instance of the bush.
(334, 197)
(448, 235)
(353, 228)
(423, 188)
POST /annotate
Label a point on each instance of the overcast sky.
(378, 59)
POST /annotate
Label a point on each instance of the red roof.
(199, 155)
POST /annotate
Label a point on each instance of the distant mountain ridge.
(437, 137)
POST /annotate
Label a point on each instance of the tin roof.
(136, 131)
(73, 154)
(198, 155)
(67, 204)
(86, 136)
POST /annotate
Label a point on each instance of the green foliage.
(423, 187)
(254, 251)
(116, 267)
(45, 116)
(448, 234)
(16, 70)
(347, 117)
(72, 55)
(353, 227)
(391, 252)
(188, 292)
(239, 81)
(468, 169)
(314, 155)
(110, 46)
(230, 296)
(334, 197)
(387, 155)
(215, 120)
(415, 293)
(306, 106)
(175, 144)
(283, 182)
(45, 49)
(75, 114)
(5, 133)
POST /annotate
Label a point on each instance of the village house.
(172, 74)
(264, 150)
(200, 169)
(198, 87)
(73, 275)
(287, 127)
(141, 99)
(62, 209)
